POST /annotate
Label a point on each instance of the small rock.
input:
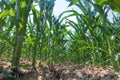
(112, 74)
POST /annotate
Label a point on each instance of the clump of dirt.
(67, 71)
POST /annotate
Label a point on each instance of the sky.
(62, 5)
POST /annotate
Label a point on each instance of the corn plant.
(28, 29)
(95, 29)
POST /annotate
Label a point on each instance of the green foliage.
(100, 1)
(25, 65)
(4, 14)
(8, 74)
(113, 3)
(96, 30)
(72, 2)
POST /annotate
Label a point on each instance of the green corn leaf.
(22, 4)
(8, 74)
(1, 22)
(11, 12)
(4, 14)
(74, 1)
(100, 1)
(1, 5)
(113, 3)
(98, 8)
(12, 1)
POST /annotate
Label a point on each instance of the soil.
(49, 71)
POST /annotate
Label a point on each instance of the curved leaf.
(11, 12)
(113, 3)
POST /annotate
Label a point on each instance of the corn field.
(29, 29)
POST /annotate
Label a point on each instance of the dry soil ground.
(67, 71)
